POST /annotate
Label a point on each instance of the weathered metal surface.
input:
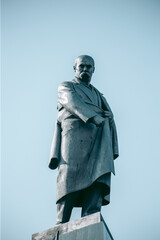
(85, 139)
(87, 151)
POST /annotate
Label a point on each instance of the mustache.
(85, 75)
(85, 72)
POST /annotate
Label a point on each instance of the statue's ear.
(74, 67)
(93, 69)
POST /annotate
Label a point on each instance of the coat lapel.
(84, 90)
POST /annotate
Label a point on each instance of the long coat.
(83, 152)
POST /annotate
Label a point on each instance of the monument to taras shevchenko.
(84, 144)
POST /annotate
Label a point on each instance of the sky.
(40, 41)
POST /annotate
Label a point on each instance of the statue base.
(86, 228)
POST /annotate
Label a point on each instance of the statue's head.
(84, 68)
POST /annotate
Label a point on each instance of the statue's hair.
(84, 56)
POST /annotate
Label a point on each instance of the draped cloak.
(85, 153)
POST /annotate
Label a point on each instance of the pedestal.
(92, 227)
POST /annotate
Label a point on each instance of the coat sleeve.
(73, 103)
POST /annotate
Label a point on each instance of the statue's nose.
(85, 68)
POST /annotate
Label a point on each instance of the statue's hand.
(53, 163)
(98, 120)
(108, 114)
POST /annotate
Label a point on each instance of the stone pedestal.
(92, 227)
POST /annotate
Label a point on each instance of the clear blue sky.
(40, 41)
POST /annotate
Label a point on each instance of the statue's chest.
(88, 94)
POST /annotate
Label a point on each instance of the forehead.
(85, 60)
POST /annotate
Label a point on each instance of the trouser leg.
(92, 199)
(65, 206)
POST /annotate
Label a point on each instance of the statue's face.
(84, 68)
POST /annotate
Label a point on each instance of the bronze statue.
(84, 144)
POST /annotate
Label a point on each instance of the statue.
(84, 144)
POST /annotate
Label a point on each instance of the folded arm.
(73, 103)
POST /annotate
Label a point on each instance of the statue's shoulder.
(65, 84)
